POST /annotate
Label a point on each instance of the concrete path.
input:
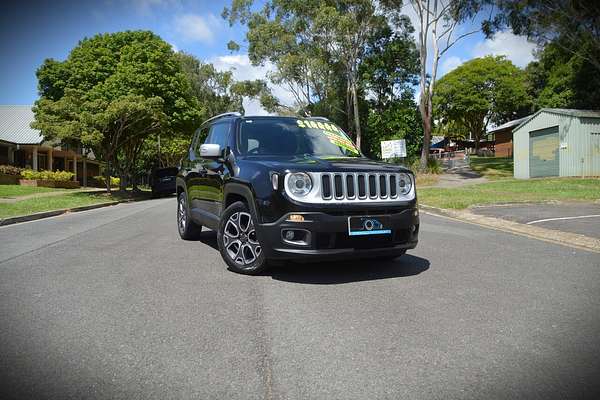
(111, 304)
(457, 173)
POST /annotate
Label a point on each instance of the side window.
(219, 134)
(199, 137)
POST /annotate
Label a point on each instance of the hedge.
(57, 176)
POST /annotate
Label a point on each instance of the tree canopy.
(482, 91)
(112, 92)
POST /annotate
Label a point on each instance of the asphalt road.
(582, 218)
(110, 303)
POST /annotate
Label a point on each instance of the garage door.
(543, 152)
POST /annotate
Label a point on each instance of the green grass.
(512, 190)
(7, 191)
(68, 200)
(492, 167)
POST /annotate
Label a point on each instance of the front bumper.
(329, 237)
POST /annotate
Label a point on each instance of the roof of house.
(14, 125)
(509, 124)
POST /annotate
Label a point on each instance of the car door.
(195, 174)
(208, 193)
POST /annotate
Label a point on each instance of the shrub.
(57, 176)
(10, 170)
(113, 180)
(413, 163)
(434, 166)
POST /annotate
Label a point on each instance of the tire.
(237, 241)
(187, 228)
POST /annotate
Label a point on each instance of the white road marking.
(562, 218)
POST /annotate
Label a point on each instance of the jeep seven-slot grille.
(361, 186)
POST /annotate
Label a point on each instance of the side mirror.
(210, 151)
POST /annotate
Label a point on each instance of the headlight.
(299, 184)
(404, 184)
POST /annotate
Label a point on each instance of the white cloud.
(516, 48)
(242, 69)
(144, 7)
(197, 28)
(448, 64)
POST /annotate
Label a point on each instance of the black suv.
(287, 188)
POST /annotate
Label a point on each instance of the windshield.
(294, 137)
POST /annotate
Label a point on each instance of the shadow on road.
(336, 272)
(349, 271)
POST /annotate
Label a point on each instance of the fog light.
(296, 218)
(289, 235)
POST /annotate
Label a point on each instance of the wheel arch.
(234, 192)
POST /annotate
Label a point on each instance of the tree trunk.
(348, 107)
(356, 116)
(107, 177)
(426, 141)
(123, 182)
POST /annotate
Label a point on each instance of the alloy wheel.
(239, 239)
(181, 213)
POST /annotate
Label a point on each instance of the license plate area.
(372, 225)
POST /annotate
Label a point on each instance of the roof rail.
(227, 114)
(320, 119)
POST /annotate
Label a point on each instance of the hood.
(315, 164)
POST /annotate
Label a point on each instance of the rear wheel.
(238, 243)
(187, 228)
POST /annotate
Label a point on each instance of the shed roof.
(563, 111)
(14, 125)
(509, 124)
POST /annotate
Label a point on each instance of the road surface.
(110, 303)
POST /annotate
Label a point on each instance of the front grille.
(358, 186)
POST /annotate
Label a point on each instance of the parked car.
(285, 188)
(163, 181)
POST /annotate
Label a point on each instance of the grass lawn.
(492, 167)
(7, 191)
(67, 200)
(512, 190)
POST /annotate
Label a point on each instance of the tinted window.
(219, 134)
(161, 173)
(288, 137)
(200, 136)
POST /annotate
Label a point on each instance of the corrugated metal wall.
(581, 157)
(579, 144)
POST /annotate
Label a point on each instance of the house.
(502, 136)
(558, 142)
(25, 147)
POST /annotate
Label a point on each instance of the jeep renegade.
(287, 188)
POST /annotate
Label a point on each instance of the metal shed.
(558, 142)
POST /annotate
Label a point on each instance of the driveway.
(582, 218)
(110, 303)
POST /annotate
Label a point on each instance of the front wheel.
(238, 243)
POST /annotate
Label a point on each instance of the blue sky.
(35, 30)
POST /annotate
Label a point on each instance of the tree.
(438, 20)
(566, 23)
(112, 93)
(482, 91)
(563, 79)
(310, 41)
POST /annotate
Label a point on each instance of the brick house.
(25, 147)
(502, 137)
